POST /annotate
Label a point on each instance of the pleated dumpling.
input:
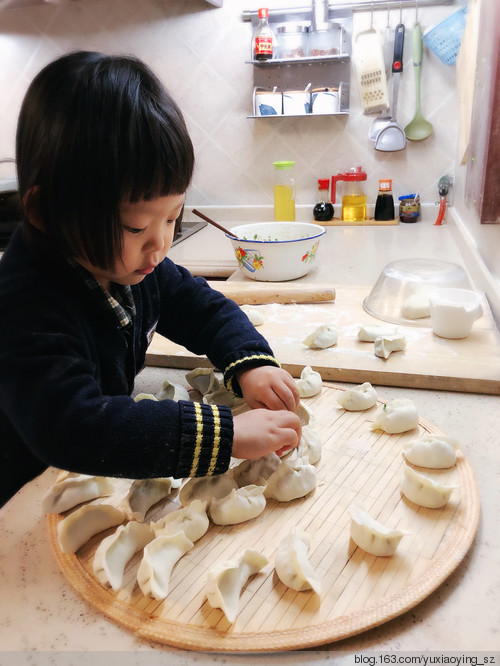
(433, 451)
(397, 416)
(160, 557)
(322, 337)
(145, 493)
(73, 490)
(254, 313)
(358, 398)
(191, 519)
(225, 581)
(84, 523)
(372, 536)
(171, 391)
(310, 382)
(292, 562)
(206, 488)
(422, 490)
(240, 505)
(372, 331)
(294, 478)
(115, 551)
(384, 345)
(255, 471)
(203, 380)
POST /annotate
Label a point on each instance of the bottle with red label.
(263, 38)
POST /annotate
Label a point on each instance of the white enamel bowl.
(276, 251)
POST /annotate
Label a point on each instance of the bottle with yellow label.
(284, 192)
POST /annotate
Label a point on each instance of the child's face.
(148, 230)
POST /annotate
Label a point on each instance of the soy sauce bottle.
(263, 38)
(323, 210)
(384, 207)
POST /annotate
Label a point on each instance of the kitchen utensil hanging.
(418, 128)
(370, 71)
(392, 137)
(445, 38)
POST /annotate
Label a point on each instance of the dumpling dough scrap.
(240, 505)
(416, 306)
(84, 523)
(73, 490)
(203, 380)
(384, 345)
(432, 451)
(191, 519)
(358, 398)
(172, 392)
(225, 581)
(206, 488)
(370, 333)
(422, 490)
(372, 536)
(255, 471)
(397, 416)
(160, 557)
(324, 336)
(292, 563)
(310, 382)
(295, 477)
(310, 444)
(145, 396)
(145, 493)
(254, 313)
(115, 551)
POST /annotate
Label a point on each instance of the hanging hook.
(401, 11)
(371, 17)
(416, 12)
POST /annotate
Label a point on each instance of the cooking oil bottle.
(353, 197)
(284, 192)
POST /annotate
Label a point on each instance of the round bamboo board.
(359, 590)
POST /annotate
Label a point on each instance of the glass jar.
(292, 41)
(326, 41)
(284, 192)
(409, 208)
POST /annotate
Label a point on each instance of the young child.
(104, 160)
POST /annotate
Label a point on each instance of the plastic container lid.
(324, 183)
(292, 29)
(263, 12)
(283, 165)
(407, 196)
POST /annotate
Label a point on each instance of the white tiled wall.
(199, 52)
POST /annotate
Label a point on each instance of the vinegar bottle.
(263, 38)
(323, 210)
(284, 192)
(384, 207)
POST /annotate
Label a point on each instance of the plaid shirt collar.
(121, 304)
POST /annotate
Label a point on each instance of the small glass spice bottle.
(323, 210)
(263, 37)
(384, 206)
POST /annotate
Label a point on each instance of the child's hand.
(270, 387)
(262, 431)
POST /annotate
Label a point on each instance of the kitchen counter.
(41, 612)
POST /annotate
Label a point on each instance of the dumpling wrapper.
(310, 444)
(384, 345)
(73, 490)
(206, 488)
(422, 490)
(160, 557)
(240, 505)
(358, 398)
(324, 336)
(310, 382)
(115, 551)
(225, 581)
(416, 306)
(432, 451)
(372, 536)
(145, 493)
(255, 471)
(371, 332)
(172, 391)
(84, 523)
(254, 313)
(191, 519)
(397, 416)
(292, 563)
(294, 478)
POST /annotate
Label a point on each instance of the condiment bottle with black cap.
(323, 210)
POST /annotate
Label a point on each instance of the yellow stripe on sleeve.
(199, 438)
(216, 444)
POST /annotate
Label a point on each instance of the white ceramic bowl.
(276, 251)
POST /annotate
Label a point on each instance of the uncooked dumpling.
(416, 306)
(84, 523)
(240, 505)
(292, 563)
(324, 336)
(172, 392)
(145, 493)
(371, 332)
(310, 382)
(203, 380)
(358, 398)
(422, 490)
(384, 345)
(191, 519)
(221, 396)
(294, 478)
(254, 313)
(115, 551)
(310, 444)
(372, 536)
(225, 581)
(72, 490)
(206, 488)
(255, 471)
(305, 415)
(160, 557)
(433, 451)
(397, 416)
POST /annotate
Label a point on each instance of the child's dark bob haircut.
(95, 131)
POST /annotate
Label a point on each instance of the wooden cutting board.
(470, 365)
(358, 590)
